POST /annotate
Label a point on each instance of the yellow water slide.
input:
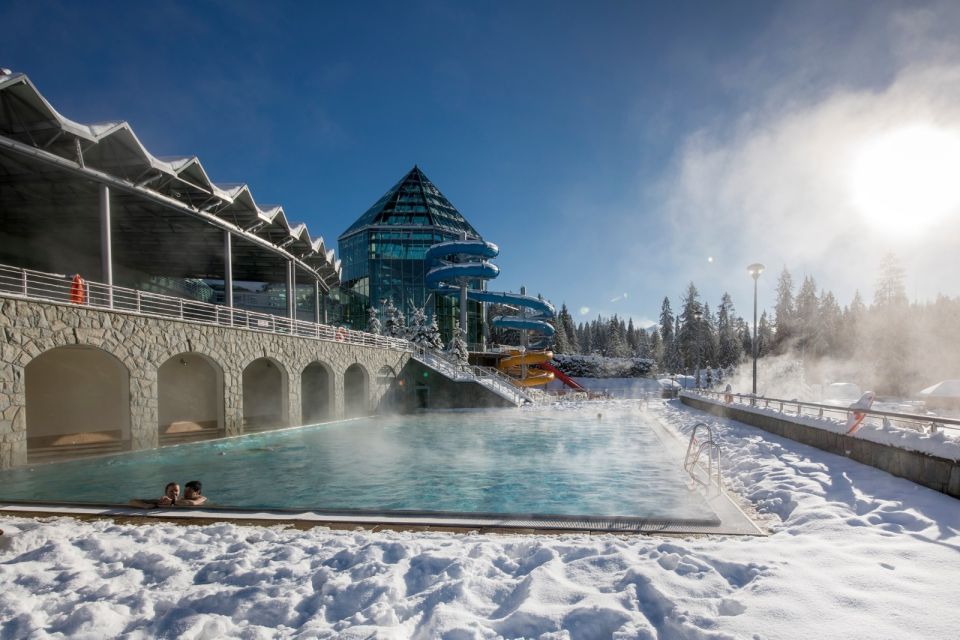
(513, 363)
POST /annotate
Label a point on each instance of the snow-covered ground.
(853, 553)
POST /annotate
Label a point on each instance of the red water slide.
(564, 378)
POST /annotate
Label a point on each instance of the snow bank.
(945, 444)
(854, 553)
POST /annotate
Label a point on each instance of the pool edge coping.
(465, 523)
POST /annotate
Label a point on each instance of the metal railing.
(704, 476)
(489, 377)
(875, 417)
(62, 289)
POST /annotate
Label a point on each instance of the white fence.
(49, 287)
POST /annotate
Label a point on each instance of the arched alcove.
(316, 393)
(190, 398)
(356, 397)
(77, 403)
(265, 404)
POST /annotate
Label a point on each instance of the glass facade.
(382, 255)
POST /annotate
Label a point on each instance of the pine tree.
(784, 310)
(729, 344)
(890, 334)
(666, 361)
(396, 327)
(616, 346)
(561, 344)
(417, 331)
(807, 318)
(586, 342)
(373, 322)
(831, 321)
(434, 341)
(690, 335)
(656, 346)
(458, 345)
(764, 335)
(890, 286)
(567, 321)
(643, 345)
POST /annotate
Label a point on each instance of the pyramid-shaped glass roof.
(414, 201)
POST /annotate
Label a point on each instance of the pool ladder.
(708, 476)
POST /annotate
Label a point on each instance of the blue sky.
(609, 148)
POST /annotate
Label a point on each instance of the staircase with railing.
(489, 377)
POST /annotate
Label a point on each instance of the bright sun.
(907, 180)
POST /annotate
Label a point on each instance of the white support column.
(228, 273)
(106, 246)
(291, 291)
(316, 301)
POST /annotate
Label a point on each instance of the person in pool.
(192, 495)
(171, 494)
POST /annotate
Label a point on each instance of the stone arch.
(190, 398)
(265, 395)
(317, 392)
(356, 394)
(77, 403)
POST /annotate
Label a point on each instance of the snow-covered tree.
(373, 322)
(458, 345)
(690, 336)
(396, 323)
(729, 344)
(784, 318)
(417, 330)
(434, 341)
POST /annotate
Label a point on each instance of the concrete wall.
(939, 474)
(142, 345)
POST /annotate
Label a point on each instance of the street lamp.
(755, 270)
(698, 316)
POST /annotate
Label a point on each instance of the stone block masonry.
(142, 344)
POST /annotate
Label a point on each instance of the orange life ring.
(78, 290)
(340, 334)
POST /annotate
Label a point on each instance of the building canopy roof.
(413, 202)
(46, 147)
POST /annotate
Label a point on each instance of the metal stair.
(489, 377)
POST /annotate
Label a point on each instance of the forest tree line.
(892, 346)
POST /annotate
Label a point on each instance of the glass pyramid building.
(382, 254)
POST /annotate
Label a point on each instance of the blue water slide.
(462, 247)
(449, 264)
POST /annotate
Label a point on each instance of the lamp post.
(755, 270)
(698, 316)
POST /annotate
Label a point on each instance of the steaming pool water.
(494, 461)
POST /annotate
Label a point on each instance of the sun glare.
(906, 180)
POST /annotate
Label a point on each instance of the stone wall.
(143, 344)
(939, 474)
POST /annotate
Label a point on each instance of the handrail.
(695, 449)
(490, 378)
(57, 288)
(915, 421)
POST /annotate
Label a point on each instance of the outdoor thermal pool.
(531, 461)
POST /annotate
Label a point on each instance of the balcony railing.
(63, 289)
(876, 417)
